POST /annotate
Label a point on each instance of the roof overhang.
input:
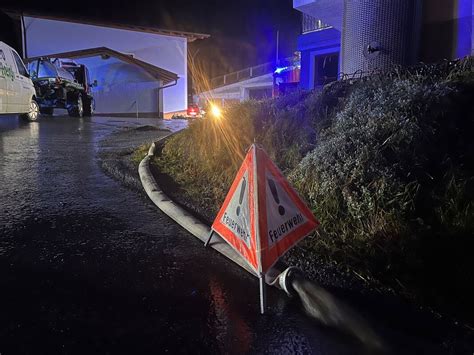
(328, 11)
(158, 73)
(190, 36)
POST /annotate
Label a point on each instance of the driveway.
(88, 266)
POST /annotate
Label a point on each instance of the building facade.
(122, 87)
(359, 36)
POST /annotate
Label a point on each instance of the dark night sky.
(243, 32)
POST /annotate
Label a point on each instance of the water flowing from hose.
(328, 310)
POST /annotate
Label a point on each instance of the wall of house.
(378, 34)
(50, 36)
(311, 45)
(122, 87)
(447, 30)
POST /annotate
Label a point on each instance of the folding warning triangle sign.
(262, 216)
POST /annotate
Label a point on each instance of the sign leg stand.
(208, 239)
(262, 293)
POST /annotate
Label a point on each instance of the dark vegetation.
(385, 162)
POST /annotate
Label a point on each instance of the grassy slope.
(386, 164)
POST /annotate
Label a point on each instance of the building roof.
(190, 36)
(158, 73)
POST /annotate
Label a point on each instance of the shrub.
(391, 180)
(205, 157)
(385, 162)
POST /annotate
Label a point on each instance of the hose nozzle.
(283, 280)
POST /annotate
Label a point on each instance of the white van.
(17, 93)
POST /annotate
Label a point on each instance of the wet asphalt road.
(88, 266)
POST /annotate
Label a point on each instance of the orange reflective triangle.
(262, 216)
(235, 220)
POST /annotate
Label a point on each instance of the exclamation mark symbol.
(273, 189)
(241, 198)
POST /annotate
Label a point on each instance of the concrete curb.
(182, 217)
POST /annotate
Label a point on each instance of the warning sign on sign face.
(237, 217)
(283, 216)
(262, 216)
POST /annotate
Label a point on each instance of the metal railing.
(243, 74)
(252, 72)
(311, 24)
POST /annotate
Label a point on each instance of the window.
(42, 69)
(2, 55)
(19, 63)
(77, 73)
(326, 68)
(64, 74)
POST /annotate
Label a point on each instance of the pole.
(136, 103)
(262, 293)
(23, 37)
(277, 45)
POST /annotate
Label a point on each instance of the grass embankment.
(386, 163)
(139, 153)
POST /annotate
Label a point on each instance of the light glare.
(216, 111)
